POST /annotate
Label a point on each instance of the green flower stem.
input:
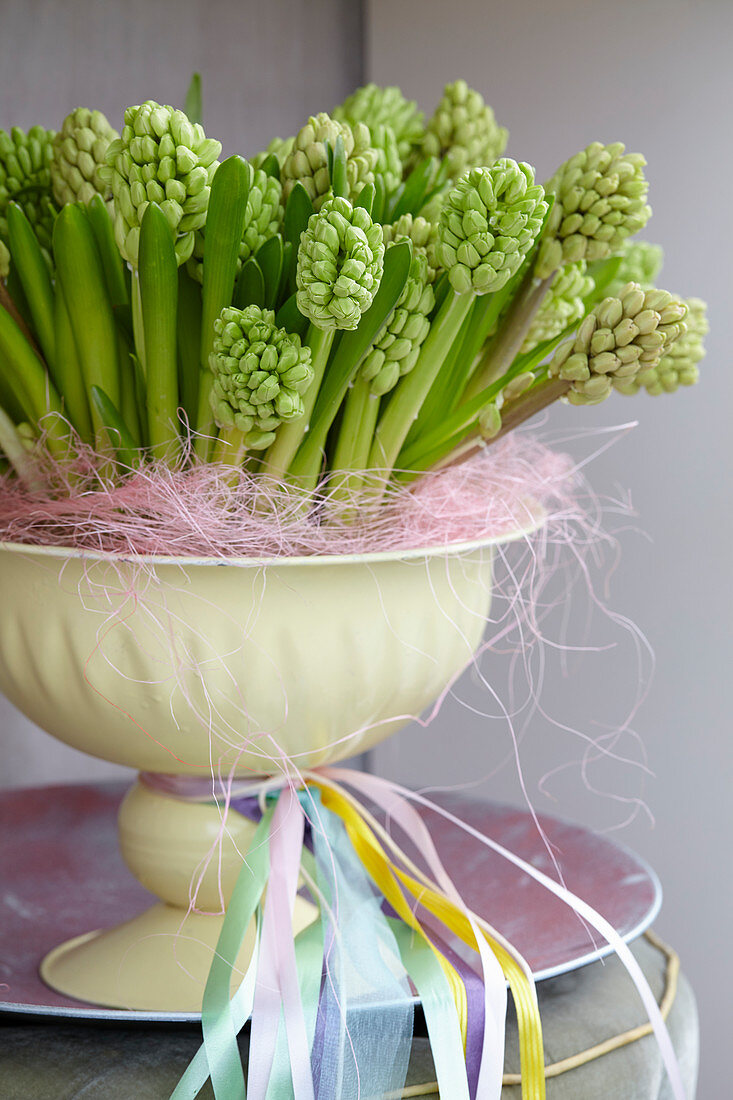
(158, 276)
(29, 380)
(33, 273)
(230, 447)
(280, 454)
(452, 379)
(225, 222)
(79, 270)
(69, 377)
(355, 439)
(460, 421)
(511, 334)
(412, 390)
(12, 447)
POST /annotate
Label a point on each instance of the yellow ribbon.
(386, 874)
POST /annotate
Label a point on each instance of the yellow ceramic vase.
(192, 666)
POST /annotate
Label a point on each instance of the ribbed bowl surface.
(178, 666)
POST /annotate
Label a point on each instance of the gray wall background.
(655, 74)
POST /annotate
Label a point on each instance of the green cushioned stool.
(583, 1011)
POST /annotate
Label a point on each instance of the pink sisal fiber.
(198, 511)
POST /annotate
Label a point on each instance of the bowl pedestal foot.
(159, 960)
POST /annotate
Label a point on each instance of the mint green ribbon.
(222, 1018)
(440, 1015)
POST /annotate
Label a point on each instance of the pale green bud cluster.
(679, 366)
(25, 178)
(79, 157)
(308, 161)
(641, 263)
(260, 374)
(488, 224)
(377, 106)
(424, 237)
(562, 306)
(340, 262)
(280, 147)
(397, 349)
(463, 132)
(389, 165)
(600, 200)
(262, 220)
(618, 339)
(160, 157)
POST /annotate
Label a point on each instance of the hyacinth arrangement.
(378, 296)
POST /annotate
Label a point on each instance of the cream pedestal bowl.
(195, 666)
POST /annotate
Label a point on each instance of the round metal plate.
(61, 875)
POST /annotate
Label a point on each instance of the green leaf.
(193, 106)
(119, 435)
(81, 275)
(116, 272)
(189, 342)
(412, 197)
(158, 271)
(290, 318)
(337, 168)
(69, 375)
(33, 273)
(298, 210)
(123, 320)
(366, 197)
(224, 230)
(28, 379)
(270, 262)
(347, 357)
(250, 288)
(380, 198)
(271, 166)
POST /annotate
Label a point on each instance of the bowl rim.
(535, 519)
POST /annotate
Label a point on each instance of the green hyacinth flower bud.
(489, 420)
(79, 152)
(424, 237)
(679, 365)
(600, 200)
(618, 339)
(25, 178)
(641, 263)
(279, 147)
(262, 220)
(340, 263)
(463, 132)
(160, 157)
(396, 351)
(488, 224)
(308, 161)
(377, 106)
(562, 306)
(260, 374)
(389, 165)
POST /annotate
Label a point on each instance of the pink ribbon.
(277, 975)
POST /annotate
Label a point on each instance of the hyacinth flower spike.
(340, 264)
(259, 375)
(488, 225)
